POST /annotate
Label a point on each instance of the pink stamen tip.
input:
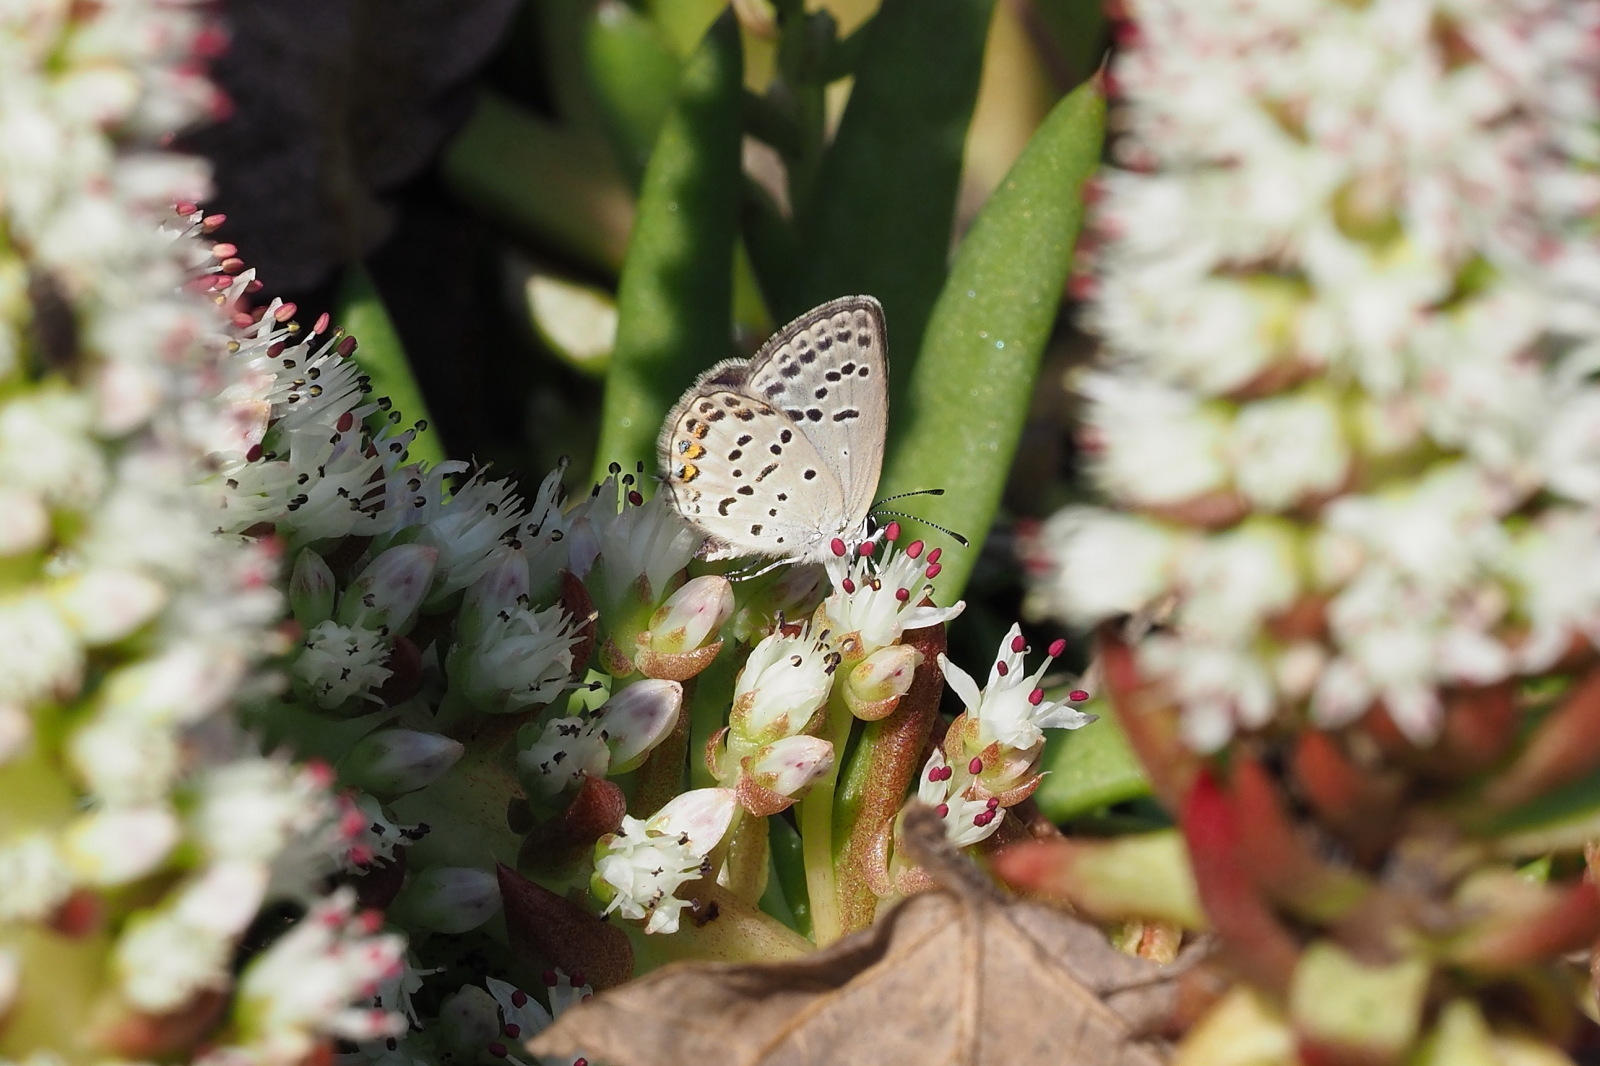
(321, 325)
(914, 549)
(837, 546)
(185, 207)
(210, 222)
(902, 595)
(636, 498)
(519, 998)
(993, 802)
(933, 556)
(848, 585)
(1018, 644)
(1036, 697)
(346, 347)
(891, 531)
(975, 767)
(865, 550)
(222, 250)
(1002, 669)
(346, 420)
(1077, 695)
(497, 1049)
(1057, 646)
(943, 810)
(577, 979)
(933, 570)
(512, 1030)
(285, 312)
(983, 818)
(254, 454)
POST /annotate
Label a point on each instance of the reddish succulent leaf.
(954, 976)
(1148, 720)
(549, 929)
(594, 810)
(1564, 747)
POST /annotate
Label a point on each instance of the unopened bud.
(392, 762)
(311, 590)
(390, 589)
(679, 641)
(788, 766)
(874, 686)
(638, 718)
(469, 1019)
(500, 588)
(448, 899)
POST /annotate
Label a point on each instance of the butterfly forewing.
(828, 373)
(741, 471)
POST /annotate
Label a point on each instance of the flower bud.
(638, 718)
(311, 590)
(782, 686)
(781, 772)
(501, 588)
(390, 589)
(392, 762)
(673, 644)
(873, 687)
(448, 899)
(469, 1019)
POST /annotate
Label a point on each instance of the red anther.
(497, 1049)
(512, 1030)
(223, 250)
(1077, 695)
(1036, 697)
(1057, 646)
(933, 570)
(577, 979)
(232, 266)
(285, 311)
(943, 810)
(254, 454)
(274, 349)
(837, 546)
(210, 222)
(891, 532)
(1002, 669)
(983, 818)
(321, 324)
(848, 585)
(975, 766)
(993, 802)
(256, 285)
(933, 556)
(210, 43)
(902, 595)
(636, 497)
(346, 420)
(865, 550)
(580, 1061)
(346, 347)
(186, 207)
(519, 998)
(1018, 644)
(914, 549)
(243, 319)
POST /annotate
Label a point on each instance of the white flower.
(1106, 564)
(300, 987)
(613, 739)
(1286, 448)
(35, 875)
(638, 868)
(1011, 708)
(637, 538)
(1151, 444)
(876, 599)
(967, 820)
(521, 658)
(1233, 581)
(782, 684)
(339, 663)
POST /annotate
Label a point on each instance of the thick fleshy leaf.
(675, 300)
(959, 427)
(1088, 768)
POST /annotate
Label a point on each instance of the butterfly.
(779, 455)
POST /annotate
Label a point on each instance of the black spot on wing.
(846, 414)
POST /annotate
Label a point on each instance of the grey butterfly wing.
(741, 471)
(828, 373)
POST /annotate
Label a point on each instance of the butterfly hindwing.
(741, 471)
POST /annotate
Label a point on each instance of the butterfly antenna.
(952, 534)
(903, 495)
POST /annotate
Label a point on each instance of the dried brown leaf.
(958, 976)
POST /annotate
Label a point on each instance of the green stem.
(816, 832)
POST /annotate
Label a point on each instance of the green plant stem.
(816, 832)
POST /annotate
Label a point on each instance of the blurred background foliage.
(540, 219)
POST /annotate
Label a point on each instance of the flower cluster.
(1347, 284)
(141, 832)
